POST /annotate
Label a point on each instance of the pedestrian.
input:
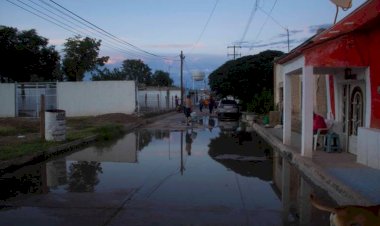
(187, 109)
(211, 104)
(201, 104)
(176, 101)
(188, 140)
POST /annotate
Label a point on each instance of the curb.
(342, 193)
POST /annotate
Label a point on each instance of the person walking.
(187, 109)
(201, 104)
(211, 104)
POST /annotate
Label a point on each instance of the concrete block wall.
(368, 151)
(7, 100)
(96, 97)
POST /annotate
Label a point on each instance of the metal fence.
(28, 98)
(151, 102)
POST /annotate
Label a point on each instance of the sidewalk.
(338, 173)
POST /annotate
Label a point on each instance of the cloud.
(314, 28)
(57, 42)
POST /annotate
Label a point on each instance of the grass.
(104, 133)
(7, 131)
(109, 131)
(14, 151)
(12, 131)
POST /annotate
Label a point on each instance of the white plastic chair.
(322, 133)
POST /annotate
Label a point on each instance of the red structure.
(348, 53)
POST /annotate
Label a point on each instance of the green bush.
(261, 103)
(110, 131)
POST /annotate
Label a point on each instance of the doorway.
(353, 113)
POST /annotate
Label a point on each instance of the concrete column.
(307, 111)
(287, 116)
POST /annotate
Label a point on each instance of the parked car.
(228, 109)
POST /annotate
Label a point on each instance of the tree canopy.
(132, 70)
(34, 59)
(107, 75)
(245, 77)
(138, 71)
(81, 55)
(161, 78)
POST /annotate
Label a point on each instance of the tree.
(35, 60)
(245, 77)
(81, 55)
(106, 74)
(161, 78)
(138, 71)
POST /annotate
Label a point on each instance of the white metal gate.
(28, 98)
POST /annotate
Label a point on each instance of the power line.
(66, 26)
(137, 48)
(268, 16)
(252, 14)
(205, 26)
(113, 41)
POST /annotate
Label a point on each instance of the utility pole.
(234, 54)
(287, 33)
(182, 58)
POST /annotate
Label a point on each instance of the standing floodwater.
(217, 173)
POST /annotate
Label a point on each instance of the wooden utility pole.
(182, 58)
(42, 117)
(234, 54)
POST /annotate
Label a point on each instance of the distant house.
(336, 73)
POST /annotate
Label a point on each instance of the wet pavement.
(166, 173)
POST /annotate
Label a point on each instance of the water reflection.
(190, 136)
(251, 158)
(294, 190)
(83, 176)
(25, 181)
(185, 169)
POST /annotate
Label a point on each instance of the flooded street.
(213, 173)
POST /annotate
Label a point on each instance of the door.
(353, 109)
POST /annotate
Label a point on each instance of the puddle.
(214, 173)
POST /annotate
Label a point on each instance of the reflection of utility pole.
(234, 54)
(182, 168)
(137, 95)
(182, 58)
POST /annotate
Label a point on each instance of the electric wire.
(252, 14)
(268, 16)
(106, 32)
(113, 41)
(68, 27)
(92, 30)
(205, 26)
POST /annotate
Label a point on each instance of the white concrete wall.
(7, 100)
(368, 147)
(96, 97)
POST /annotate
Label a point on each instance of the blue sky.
(202, 29)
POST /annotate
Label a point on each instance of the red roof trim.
(367, 12)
